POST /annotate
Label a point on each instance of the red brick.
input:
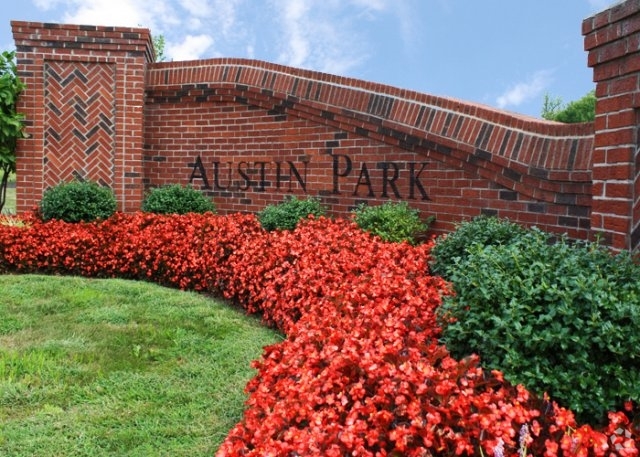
(619, 190)
(605, 71)
(623, 85)
(614, 224)
(622, 136)
(621, 119)
(612, 171)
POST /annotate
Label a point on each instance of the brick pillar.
(612, 39)
(83, 104)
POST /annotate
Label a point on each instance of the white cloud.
(409, 27)
(376, 5)
(251, 51)
(45, 4)
(153, 14)
(370, 9)
(318, 35)
(187, 25)
(131, 13)
(221, 13)
(599, 5)
(524, 91)
(402, 11)
(297, 23)
(226, 16)
(199, 8)
(194, 23)
(122, 13)
(191, 48)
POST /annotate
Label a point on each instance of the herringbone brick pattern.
(79, 122)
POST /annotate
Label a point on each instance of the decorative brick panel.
(79, 136)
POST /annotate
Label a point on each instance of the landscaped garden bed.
(362, 371)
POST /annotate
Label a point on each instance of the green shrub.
(482, 230)
(392, 221)
(78, 201)
(286, 215)
(175, 199)
(555, 317)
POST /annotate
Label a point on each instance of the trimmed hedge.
(452, 248)
(175, 199)
(287, 215)
(558, 317)
(392, 221)
(78, 201)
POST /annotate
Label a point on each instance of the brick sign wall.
(249, 133)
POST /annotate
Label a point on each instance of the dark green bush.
(286, 215)
(78, 201)
(482, 230)
(391, 221)
(175, 199)
(558, 318)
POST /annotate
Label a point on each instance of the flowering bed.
(361, 372)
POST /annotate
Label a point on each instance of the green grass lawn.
(10, 205)
(119, 368)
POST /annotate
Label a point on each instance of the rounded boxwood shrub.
(392, 221)
(78, 201)
(286, 215)
(482, 230)
(555, 317)
(175, 199)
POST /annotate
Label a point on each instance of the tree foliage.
(581, 110)
(158, 47)
(11, 122)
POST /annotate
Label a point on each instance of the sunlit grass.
(119, 368)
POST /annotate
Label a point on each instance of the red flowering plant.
(361, 372)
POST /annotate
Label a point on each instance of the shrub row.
(86, 201)
(393, 222)
(361, 372)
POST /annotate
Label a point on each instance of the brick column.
(612, 39)
(83, 103)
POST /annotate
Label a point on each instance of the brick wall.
(240, 130)
(249, 133)
(83, 106)
(612, 38)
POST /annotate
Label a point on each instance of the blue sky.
(502, 53)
